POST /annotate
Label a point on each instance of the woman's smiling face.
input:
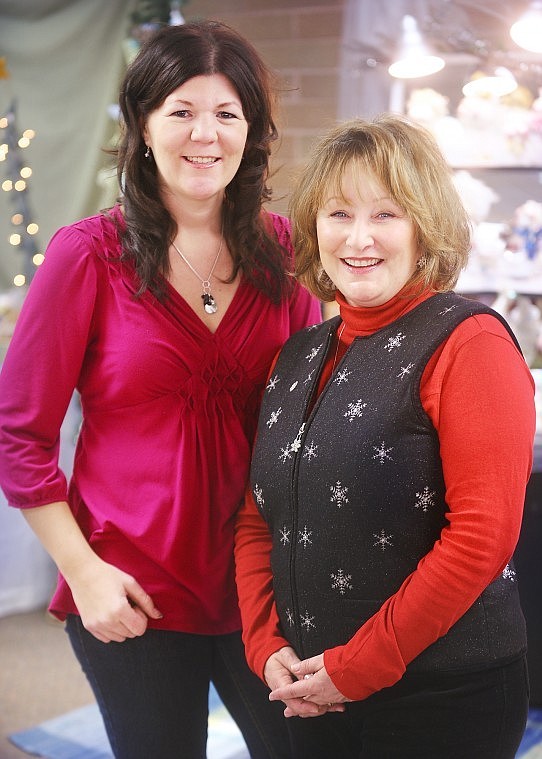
(197, 137)
(367, 244)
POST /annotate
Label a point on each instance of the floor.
(41, 679)
(39, 675)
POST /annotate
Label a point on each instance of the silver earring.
(421, 262)
(148, 153)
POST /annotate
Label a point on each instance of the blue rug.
(531, 745)
(80, 735)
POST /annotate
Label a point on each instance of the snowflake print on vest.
(382, 540)
(307, 621)
(338, 494)
(341, 582)
(394, 342)
(405, 370)
(355, 410)
(314, 352)
(285, 535)
(509, 574)
(342, 376)
(305, 537)
(272, 384)
(285, 454)
(425, 499)
(309, 451)
(382, 453)
(289, 617)
(447, 310)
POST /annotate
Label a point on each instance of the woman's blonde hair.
(406, 160)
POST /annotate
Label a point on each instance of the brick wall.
(301, 41)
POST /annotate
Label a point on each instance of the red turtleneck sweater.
(478, 393)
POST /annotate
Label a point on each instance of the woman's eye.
(181, 114)
(226, 115)
(339, 214)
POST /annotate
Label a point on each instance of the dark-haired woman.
(164, 313)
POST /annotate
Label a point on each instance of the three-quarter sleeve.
(41, 370)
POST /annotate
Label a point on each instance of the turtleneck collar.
(361, 321)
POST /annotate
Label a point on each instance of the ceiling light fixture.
(527, 31)
(496, 84)
(414, 58)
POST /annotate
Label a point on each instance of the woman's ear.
(144, 130)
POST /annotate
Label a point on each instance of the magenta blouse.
(169, 412)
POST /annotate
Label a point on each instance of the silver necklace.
(209, 303)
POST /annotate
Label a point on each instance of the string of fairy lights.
(147, 15)
(24, 228)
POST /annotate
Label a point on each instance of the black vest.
(353, 492)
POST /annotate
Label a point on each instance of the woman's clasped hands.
(304, 686)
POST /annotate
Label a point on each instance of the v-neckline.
(175, 295)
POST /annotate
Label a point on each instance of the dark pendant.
(209, 303)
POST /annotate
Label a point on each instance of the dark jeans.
(480, 715)
(153, 693)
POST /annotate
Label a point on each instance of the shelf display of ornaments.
(484, 131)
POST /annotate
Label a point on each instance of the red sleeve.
(479, 394)
(261, 631)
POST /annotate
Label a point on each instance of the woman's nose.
(204, 130)
(359, 235)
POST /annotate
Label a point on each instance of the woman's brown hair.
(406, 160)
(166, 60)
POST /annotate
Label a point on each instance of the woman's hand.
(277, 670)
(294, 682)
(112, 604)
(313, 688)
(278, 675)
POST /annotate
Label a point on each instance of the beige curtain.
(65, 60)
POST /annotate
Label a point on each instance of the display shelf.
(471, 283)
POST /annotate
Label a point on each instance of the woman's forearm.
(56, 528)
